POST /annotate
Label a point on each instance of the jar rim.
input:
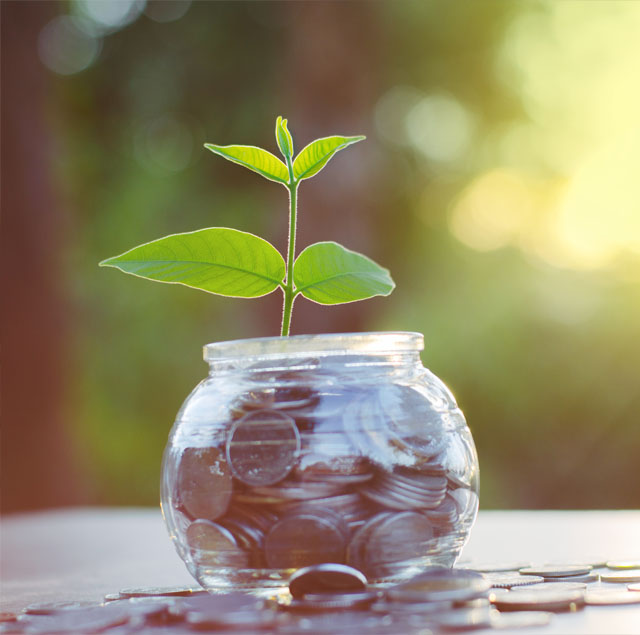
(375, 342)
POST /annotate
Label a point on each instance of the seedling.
(239, 264)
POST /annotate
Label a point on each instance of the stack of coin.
(309, 474)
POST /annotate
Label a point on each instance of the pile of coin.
(336, 598)
(381, 477)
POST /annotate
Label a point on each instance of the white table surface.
(82, 554)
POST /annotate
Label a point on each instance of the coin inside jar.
(204, 482)
(263, 447)
(214, 545)
(303, 539)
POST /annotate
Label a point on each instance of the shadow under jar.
(335, 448)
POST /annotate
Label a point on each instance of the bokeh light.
(66, 45)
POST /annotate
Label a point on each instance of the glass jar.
(318, 448)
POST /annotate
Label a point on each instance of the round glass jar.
(318, 448)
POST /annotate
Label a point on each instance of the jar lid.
(326, 343)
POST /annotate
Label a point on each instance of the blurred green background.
(500, 184)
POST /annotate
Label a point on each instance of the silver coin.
(466, 500)
(303, 539)
(521, 619)
(294, 490)
(462, 619)
(48, 608)
(539, 601)
(204, 482)
(629, 575)
(83, 620)
(494, 567)
(440, 585)
(552, 586)
(164, 591)
(234, 618)
(556, 571)
(263, 447)
(397, 538)
(232, 601)
(342, 622)
(112, 597)
(332, 601)
(323, 513)
(506, 580)
(589, 577)
(412, 420)
(601, 597)
(356, 550)
(622, 564)
(446, 513)
(323, 577)
(213, 545)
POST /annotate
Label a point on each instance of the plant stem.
(289, 293)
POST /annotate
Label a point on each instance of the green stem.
(289, 292)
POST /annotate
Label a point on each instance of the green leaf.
(218, 260)
(314, 157)
(329, 273)
(256, 159)
(284, 138)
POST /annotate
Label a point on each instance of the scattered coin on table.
(495, 567)
(556, 571)
(553, 601)
(521, 619)
(507, 580)
(553, 586)
(326, 577)
(439, 584)
(605, 597)
(169, 591)
(623, 564)
(634, 587)
(630, 575)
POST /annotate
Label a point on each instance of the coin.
(462, 619)
(204, 482)
(539, 601)
(589, 577)
(623, 564)
(213, 545)
(396, 538)
(326, 577)
(47, 608)
(634, 587)
(304, 539)
(439, 584)
(82, 620)
(409, 416)
(495, 567)
(601, 597)
(171, 591)
(294, 490)
(521, 619)
(263, 447)
(630, 575)
(333, 601)
(507, 580)
(553, 586)
(556, 571)
(5, 616)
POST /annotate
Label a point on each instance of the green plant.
(238, 264)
